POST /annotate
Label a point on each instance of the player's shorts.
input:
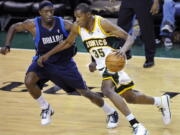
(120, 79)
(64, 75)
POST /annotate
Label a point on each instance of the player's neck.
(48, 25)
(91, 24)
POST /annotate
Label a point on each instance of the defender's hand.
(92, 66)
(42, 59)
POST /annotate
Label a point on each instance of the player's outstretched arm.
(61, 46)
(17, 27)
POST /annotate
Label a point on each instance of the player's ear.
(88, 14)
(40, 12)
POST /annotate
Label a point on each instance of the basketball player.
(100, 37)
(48, 31)
(98, 44)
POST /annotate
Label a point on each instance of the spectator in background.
(143, 9)
(168, 22)
(167, 25)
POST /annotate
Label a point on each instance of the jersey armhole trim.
(37, 36)
(79, 30)
(63, 27)
(99, 24)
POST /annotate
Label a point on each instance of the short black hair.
(44, 4)
(83, 7)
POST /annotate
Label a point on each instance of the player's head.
(83, 14)
(46, 10)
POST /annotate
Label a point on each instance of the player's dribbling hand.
(4, 50)
(120, 52)
(92, 66)
(42, 59)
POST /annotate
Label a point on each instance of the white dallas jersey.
(96, 43)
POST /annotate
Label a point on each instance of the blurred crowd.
(166, 32)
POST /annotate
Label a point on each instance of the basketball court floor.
(75, 115)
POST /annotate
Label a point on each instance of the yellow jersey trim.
(99, 24)
(79, 30)
(95, 20)
(106, 78)
(128, 88)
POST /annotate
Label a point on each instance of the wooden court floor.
(74, 115)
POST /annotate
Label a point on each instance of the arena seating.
(22, 9)
(18, 10)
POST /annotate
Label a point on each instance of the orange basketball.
(115, 63)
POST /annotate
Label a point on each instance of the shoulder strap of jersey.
(79, 30)
(63, 27)
(99, 18)
(37, 37)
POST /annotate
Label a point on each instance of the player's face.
(47, 14)
(81, 18)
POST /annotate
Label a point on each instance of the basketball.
(115, 63)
